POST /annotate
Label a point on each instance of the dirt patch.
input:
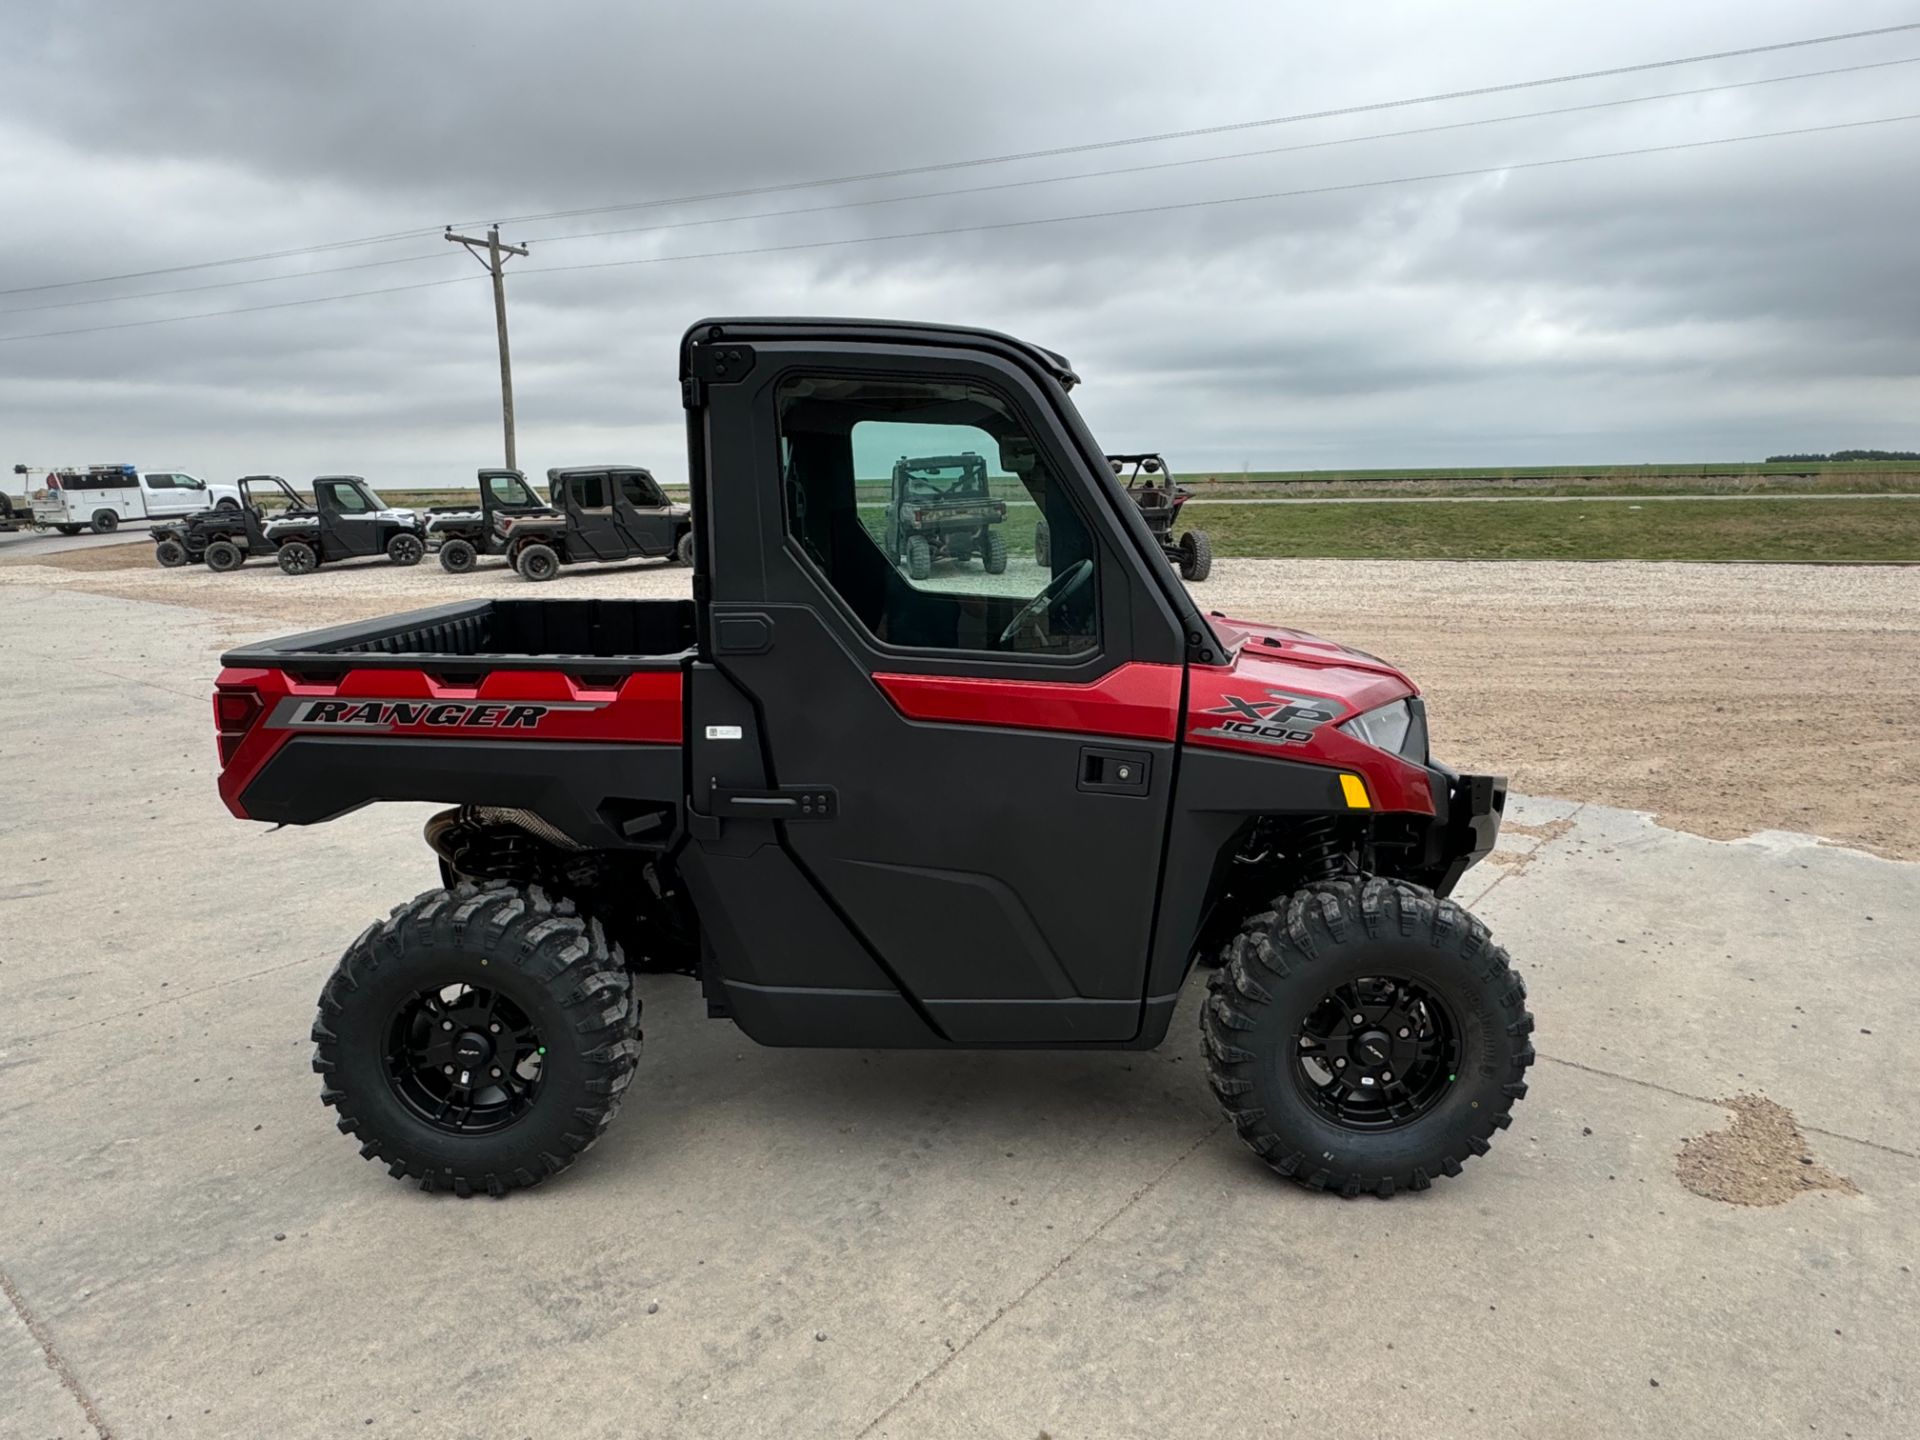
(1552, 830)
(132, 556)
(1762, 1160)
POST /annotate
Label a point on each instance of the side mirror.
(19, 469)
(1115, 466)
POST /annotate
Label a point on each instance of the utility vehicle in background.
(1151, 486)
(347, 521)
(463, 536)
(226, 536)
(604, 512)
(939, 507)
(865, 811)
(99, 497)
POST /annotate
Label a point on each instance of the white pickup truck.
(101, 496)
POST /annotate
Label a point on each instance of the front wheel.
(1042, 545)
(1196, 555)
(1366, 1036)
(478, 1039)
(170, 553)
(683, 551)
(405, 549)
(229, 504)
(919, 558)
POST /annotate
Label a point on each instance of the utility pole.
(495, 253)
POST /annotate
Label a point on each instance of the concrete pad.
(34, 1405)
(991, 1244)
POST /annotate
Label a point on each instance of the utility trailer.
(863, 811)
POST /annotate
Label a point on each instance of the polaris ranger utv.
(939, 507)
(606, 512)
(348, 521)
(465, 535)
(226, 536)
(713, 786)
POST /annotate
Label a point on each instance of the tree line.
(1843, 455)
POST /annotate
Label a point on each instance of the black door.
(593, 533)
(998, 748)
(642, 511)
(348, 524)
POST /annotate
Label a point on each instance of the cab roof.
(898, 332)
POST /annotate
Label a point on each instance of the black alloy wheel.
(465, 1060)
(1376, 1053)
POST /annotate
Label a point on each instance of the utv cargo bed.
(503, 634)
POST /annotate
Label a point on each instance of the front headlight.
(1391, 728)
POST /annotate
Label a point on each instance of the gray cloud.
(1709, 304)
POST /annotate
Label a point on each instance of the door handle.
(1104, 770)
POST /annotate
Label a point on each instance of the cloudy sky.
(1712, 303)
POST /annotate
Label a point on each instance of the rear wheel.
(405, 548)
(683, 551)
(1365, 1036)
(537, 562)
(457, 557)
(993, 553)
(223, 555)
(1042, 545)
(105, 522)
(1196, 555)
(479, 1039)
(297, 557)
(171, 554)
(919, 558)
(69, 529)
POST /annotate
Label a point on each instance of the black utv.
(348, 521)
(1151, 486)
(463, 536)
(605, 512)
(940, 507)
(225, 537)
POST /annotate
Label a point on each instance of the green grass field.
(1828, 531)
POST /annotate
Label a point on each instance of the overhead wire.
(1002, 159)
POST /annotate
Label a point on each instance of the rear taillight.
(234, 712)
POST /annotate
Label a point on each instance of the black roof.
(899, 332)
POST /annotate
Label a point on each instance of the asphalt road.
(862, 1244)
(1212, 499)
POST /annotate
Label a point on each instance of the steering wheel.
(1066, 583)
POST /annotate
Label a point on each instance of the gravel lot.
(1724, 699)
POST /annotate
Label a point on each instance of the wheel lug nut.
(496, 1072)
(1404, 1032)
(1340, 1064)
(1359, 1019)
(447, 1068)
(1386, 1074)
(446, 1024)
(495, 1028)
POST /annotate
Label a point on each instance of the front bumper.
(1467, 814)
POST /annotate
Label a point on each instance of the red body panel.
(1135, 701)
(644, 708)
(1274, 669)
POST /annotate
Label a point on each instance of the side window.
(343, 497)
(160, 482)
(932, 513)
(589, 491)
(508, 490)
(640, 491)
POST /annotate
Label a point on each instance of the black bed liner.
(503, 634)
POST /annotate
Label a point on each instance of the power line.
(1232, 199)
(1001, 185)
(1198, 131)
(1019, 224)
(1206, 159)
(975, 162)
